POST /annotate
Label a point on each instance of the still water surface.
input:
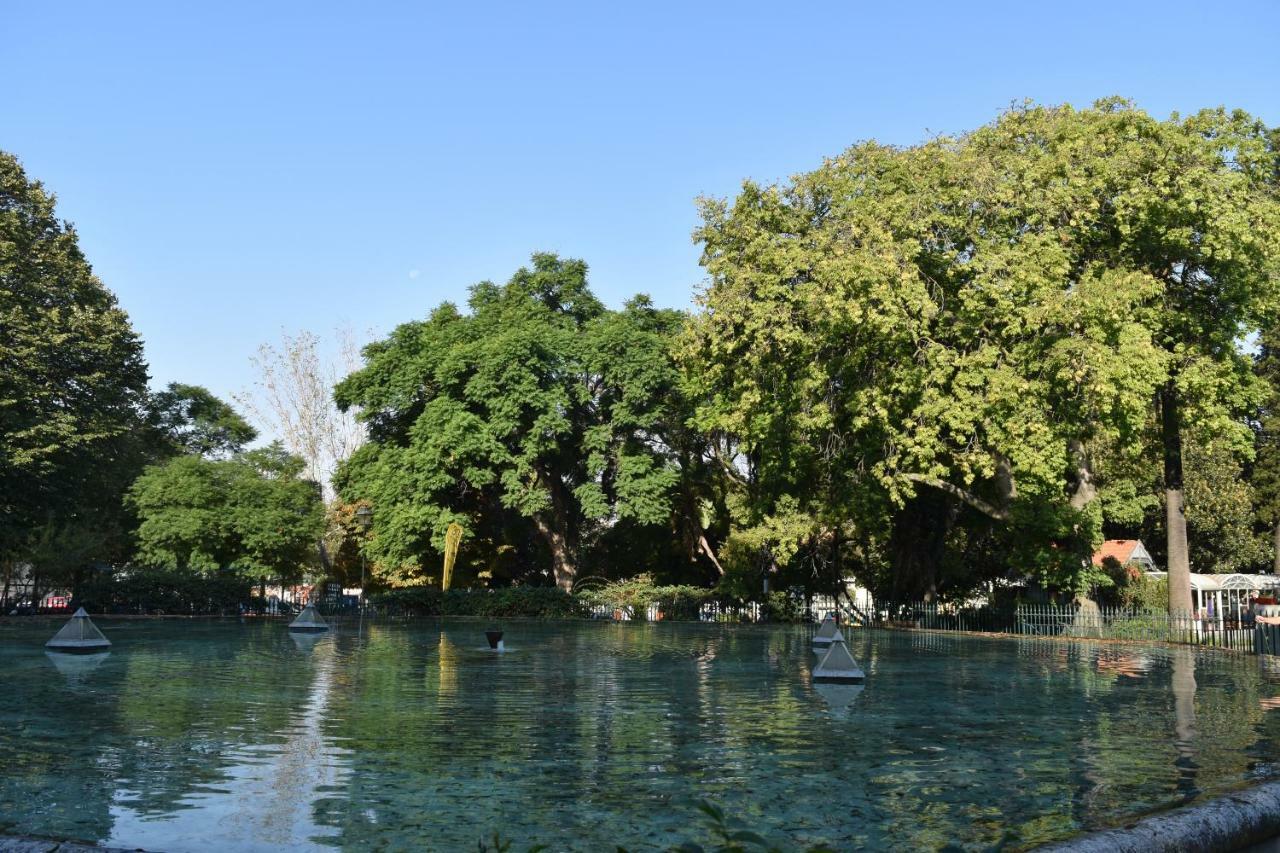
(221, 735)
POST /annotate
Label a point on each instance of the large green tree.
(253, 512)
(72, 384)
(538, 412)
(944, 339)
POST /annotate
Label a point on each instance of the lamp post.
(364, 518)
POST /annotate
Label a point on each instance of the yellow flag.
(452, 539)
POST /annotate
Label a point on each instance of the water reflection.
(1184, 711)
(239, 737)
(839, 697)
(265, 794)
(76, 668)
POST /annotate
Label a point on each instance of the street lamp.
(364, 518)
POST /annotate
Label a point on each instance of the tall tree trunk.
(556, 532)
(562, 563)
(1175, 510)
(1275, 541)
(1085, 489)
(917, 544)
(1088, 619)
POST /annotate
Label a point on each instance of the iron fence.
(1071, 621)
(707, 611)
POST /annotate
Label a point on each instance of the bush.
(152, 590)
(783, 607)
(517, 602)
(638, 593)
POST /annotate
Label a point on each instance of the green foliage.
(159, 590)
(72, 376)
(1265, 479)
(197, 422)
(536, 416)
(253, 512)
(1129, 587)
(783, 607)
(1220, 512)
(636, 594)
(1143, 594)
(927, 367)
(957, 316)
(526, 602)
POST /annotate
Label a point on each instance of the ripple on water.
(237, 736)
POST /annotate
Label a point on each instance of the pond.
(208, 734)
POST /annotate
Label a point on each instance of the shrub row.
(151, 590)
(638, 593)
(519, 602)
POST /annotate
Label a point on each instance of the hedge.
(151, 590)
(518, 602)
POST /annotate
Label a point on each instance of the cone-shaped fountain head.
(838, 665)
(826, 632)
(79, 636)
(837, 637)
(494, 637)
(309, 621)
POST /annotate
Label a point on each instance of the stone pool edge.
(1239, 820)
(1244, 820)
(28, 844)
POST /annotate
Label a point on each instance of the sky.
(236, 170)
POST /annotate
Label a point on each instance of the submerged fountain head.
(494, 637)
(79, 636)
(309, 621)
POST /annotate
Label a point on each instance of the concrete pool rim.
(1237, 820)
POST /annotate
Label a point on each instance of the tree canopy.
(928, 367)
(537, 408)
(197, 422)
(72, 375)
(252, 512)
(948, 337)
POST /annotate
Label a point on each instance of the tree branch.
(705, 547)
(966, 496)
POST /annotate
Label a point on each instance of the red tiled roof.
(1121, 549)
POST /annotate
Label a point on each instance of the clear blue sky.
(242, 167)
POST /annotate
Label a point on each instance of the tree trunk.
(1175, 511)
(918, 542)
(1088, 618)
(562, 564)
(556, 531)
(1275, 541)
(1085, 488)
